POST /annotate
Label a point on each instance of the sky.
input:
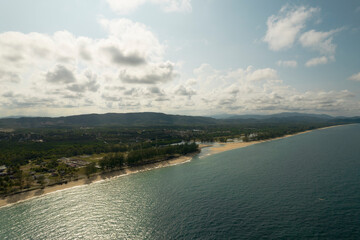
(192, 57)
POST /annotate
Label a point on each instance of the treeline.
(17, 180)
(18, 147)
(14, 153)
(270, 133)
(141, 156)
(20, 154)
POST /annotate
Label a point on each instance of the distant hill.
(118, 119)
(12, 117)
(146, 119)
(277, 115)
(223, 116)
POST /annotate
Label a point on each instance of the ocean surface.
(303, 187)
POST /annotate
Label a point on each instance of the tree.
(90, 169)
(41, 180)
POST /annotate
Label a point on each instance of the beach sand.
(234, 145)
(19, 197)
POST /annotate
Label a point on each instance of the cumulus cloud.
(161, 73)
(318, 61)
(60, 74)
(74, 69)
(288, 63)
(355, 77)
(24, 101)
(183, 91)
(162, 99)
(118, 57)
(287, 28)
(156, 92)
(284, 28)
(8, 94)
(236, 91)
(262, 74)
(126, 6)
(130, 39)
(11, 77)
(127, 71)
(91, 85)
(130, 92)
(319, 41)
(129, 44)
(111, 98)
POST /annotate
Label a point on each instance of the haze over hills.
(161, 119)
(277, 115)
(119, 119)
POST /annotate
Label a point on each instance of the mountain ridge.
(145, 119)
(276, 115)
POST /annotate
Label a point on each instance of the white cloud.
(132, 39)
(124, 6)
(161, 73)
(355, 77)
(262, 74)
(235, 91)
(89, 83)
(185, 91)
(288, 63)
(128, 6)
(60, 74)
(64, 71)
(319, 41)
(285, 27)
(118, 57)
(129, 45)
(9, 77)
(318, 61)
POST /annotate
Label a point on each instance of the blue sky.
(197, 57)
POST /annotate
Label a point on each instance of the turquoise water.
(306, 186)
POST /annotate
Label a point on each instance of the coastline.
(235, 145)
(23, 196)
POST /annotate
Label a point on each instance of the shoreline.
(23, 196)
(235, 145)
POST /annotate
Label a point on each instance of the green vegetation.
(38, 172)
(111, 161)
(32, 158)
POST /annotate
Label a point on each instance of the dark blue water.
(306, 186)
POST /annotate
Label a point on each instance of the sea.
(301, 187)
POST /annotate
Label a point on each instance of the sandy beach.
(19, 197)
(234, 145)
